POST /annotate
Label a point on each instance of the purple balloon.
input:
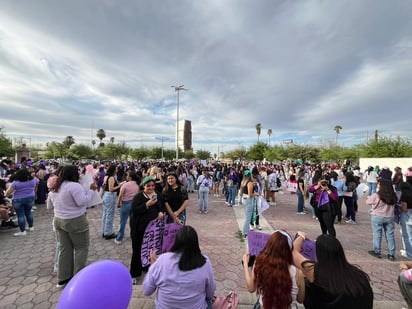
(103, 284)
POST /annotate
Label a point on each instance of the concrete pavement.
(27, 279)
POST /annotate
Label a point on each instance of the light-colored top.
(339, 185)
(204, 181)
(371, 176)
(24, 189)
(70, 201)
(129, 190)
(179, 289)
(86, 180)
(379, 208)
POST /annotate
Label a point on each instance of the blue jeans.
(124, 215)
(23, 207)
(372, 187)
(248, 203)
(301, 200)
(406, 217)
(203, 198)
(387, 225)
(232, 194)
(109, 205)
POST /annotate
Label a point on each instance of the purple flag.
(256, 242)
(169, 236)
(152, 239)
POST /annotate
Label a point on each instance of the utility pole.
(177, 89)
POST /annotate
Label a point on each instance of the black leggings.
(326, 219)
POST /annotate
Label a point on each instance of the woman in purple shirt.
(23, 189)
(183, 277)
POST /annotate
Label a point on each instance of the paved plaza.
(27, 279)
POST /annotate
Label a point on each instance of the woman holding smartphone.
(146, 206)
(326, 196)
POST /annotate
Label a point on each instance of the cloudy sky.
(297, 67)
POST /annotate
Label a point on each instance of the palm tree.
(269, 133)
(337, 130)
(68, 141)
(258, 130)
(101, 135)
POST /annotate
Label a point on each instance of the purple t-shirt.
(24, 189)
(176, 288)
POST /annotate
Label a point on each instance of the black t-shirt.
(300, 180)
(175, 197)
(318, 298)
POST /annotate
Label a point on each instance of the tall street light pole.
(177, 89)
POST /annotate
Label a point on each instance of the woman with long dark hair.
(278, 283)
(69, 201)
(332, 282)
(175, 199)
(382, 218)
(111, 187)
(326, 197)
(23, 189)
(124, 202)
(182, 277)
(349, 191)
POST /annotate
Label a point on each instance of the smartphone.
(251, 260)
(154, 196)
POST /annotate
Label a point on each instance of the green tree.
(203, 154)
(385, 147)
(156, 153)
(80, 152)
(256, 151)
(101, 134)
(68, 141)
(169, 154)
(58, 150)
(337, 130)
(258, 130)
(239, 153)
(139, 153)
(188, 154)
(6, 146)
(275, 153)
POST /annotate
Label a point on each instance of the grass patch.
(239, 235)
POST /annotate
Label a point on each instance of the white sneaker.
(30, 229)
(259, 227)
(227, 203)
(301, 213)
(252, 228)
(20, 233)
(350, 221)
(403, 253)
(118, 242)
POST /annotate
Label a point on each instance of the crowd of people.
(144, 191)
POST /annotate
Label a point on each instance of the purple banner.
(159, 237)
(152, 240)
(169, 236)
(256, 242)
